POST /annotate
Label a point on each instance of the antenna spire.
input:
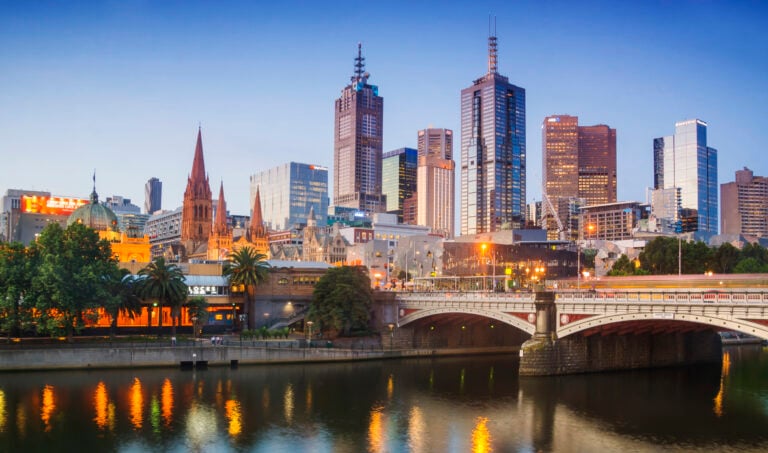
(492, 51)
(359, 64)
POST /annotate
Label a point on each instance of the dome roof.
(94, 215)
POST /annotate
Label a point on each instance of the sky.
(120, 87)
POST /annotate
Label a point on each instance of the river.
(461, 404)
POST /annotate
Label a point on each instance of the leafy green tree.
(725, 258)
(124, 299)
(164, 283)
(750, 265)
(622, 267)
(697, 257)
(16, 271)
(755, 251)
(70, 280)
(247, 268)
(342, 300)
(197, 307)
(660, 256)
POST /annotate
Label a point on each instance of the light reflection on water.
(476, 404)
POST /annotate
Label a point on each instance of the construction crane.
(561, 232)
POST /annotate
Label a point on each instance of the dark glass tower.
(357, 143)
(398, 178)
(153, 194)
(492, 152)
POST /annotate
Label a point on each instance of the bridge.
(603, 311)
(572, 331)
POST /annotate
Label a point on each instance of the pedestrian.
(173, 341)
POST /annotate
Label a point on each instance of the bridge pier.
(545, 355)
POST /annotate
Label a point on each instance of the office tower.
(398, 178)
(684, 160)
(744, 205)
(288, 191)
(197, 212)
(436, 181)
(492, 152)
(153, 195)
(579, 166)
(357, 143)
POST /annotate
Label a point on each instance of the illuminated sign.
(50, 205)
(204, 290)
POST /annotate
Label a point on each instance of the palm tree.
(197, 307)
(123, 288)
(164, 283)
(247, 268)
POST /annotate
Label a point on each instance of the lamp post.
(266, 320)
(309, 333)
(194, 327)
(391, 335)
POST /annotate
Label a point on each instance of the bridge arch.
(514, 321)
(738, 325)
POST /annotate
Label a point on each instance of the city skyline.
(121, 88)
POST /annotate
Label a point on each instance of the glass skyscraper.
(357, 143)
(492, 152)
(153, 195)
(685, 161)
(398, 178)
(288, 192)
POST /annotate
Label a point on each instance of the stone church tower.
(259, 233)
(220, 242)
(196, 217)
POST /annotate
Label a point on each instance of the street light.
(391, 335)
(266, 319)
(309, 333)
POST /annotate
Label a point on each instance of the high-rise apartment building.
(288, 192)
(493, 167)
(153, 196)
(684, 160)
(398, 178)
(436, 181)
(357, 143)
(744, 205)
(579, 166)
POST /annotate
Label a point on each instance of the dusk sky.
(121, 86)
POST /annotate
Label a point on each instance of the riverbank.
(203, 355)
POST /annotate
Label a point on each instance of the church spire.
(257, 219)
(220, 227)
(198, 164)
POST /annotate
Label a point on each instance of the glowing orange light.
(235, 417)
(101, 405)
(49, 405)
(137, 404)
(375, 430)
(481, 437)
(167, 401)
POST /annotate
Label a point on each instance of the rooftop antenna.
(359, 64)
(492, 54)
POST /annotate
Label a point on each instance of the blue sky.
(121, 86)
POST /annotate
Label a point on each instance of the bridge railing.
(474, 296)
(740, 296)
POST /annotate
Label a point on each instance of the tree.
(750, 266)
(124, 299)
(725, 258)
(247, 268)
(660, 256)
(622, 267)
(164, 283)
(16, 266)
(342, 300)
(197, 307)
(755, 251)
(69, 283)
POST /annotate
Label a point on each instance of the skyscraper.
(436, 181)
(492, 152)
(398, 178)
(684, 160)
(153, 195)
(579, 168)
(744, 205)
(357, 149)
(288, 191)
(197, 212)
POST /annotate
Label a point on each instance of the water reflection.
(48, 406)
(460, 404)
(137, 404)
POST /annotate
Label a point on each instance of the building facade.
(744, 205)
(357, 143)
(579, 163)
(398, 178)
(289, 191)
(493, 168)
(612, 221)
(436, 181)
(684, 160)
(153, 196)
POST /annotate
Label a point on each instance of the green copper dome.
(94, 215)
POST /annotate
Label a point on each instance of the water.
(465, 404)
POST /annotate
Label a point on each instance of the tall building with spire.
(493, 168)
(357, 143)
(197, 209)
(220, 241)
(436, 181)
